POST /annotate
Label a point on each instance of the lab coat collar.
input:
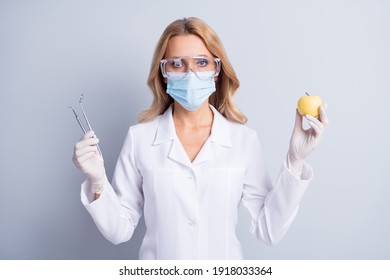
(165, 128)
(220, 131)
(166, 131)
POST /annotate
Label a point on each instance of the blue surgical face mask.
(191, 92)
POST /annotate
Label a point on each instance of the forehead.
(186, 45)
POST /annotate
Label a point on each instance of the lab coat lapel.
(205, 154)
(178, 153)
(220, 134)
(166, 132)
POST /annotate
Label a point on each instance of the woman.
(191, 162)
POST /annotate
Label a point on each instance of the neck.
(199, 118)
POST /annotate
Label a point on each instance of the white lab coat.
(191, 208)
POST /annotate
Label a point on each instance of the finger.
(87, 135)
(323, 115)
(315, 124)
(84, 150)
(317, 127)
(86, 142)
(298, 121)
(314, 120)
(80, 160)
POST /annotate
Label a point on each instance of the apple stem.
(307, 94)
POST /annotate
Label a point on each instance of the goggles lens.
(177, 68)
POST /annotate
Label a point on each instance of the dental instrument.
(86, 120)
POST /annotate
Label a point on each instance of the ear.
(165, 80)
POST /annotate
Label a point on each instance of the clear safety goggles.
(177, 68)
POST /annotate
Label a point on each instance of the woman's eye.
(177, 63)
(203, 62)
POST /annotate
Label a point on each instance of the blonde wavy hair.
(226, 85)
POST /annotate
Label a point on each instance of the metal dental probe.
(84, 114)
(86, 120)
(78, 120)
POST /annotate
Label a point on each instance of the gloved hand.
(303, 142)
(89, 161)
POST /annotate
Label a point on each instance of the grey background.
(52, 51)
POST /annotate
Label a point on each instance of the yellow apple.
(309, 104)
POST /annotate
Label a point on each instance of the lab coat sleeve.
(119, 207)
(272, 208)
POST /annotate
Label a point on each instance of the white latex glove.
(87, 158)
(304, 141)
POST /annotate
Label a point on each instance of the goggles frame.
(165, 73)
